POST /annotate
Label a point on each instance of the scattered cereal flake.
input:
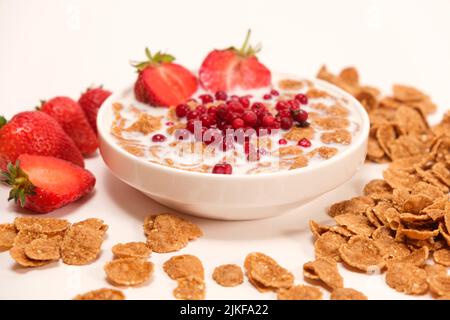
(42, 225)
(328, 244)
(439, 284)
(81, 244)
(44, 249)
(145, 124)
(167, 233)
(228, 275)
(317, 229)
(350, 76)
(410, 120)
(101, 294)
(417, 258)
(407, 93)
(184, 266)
(356, 223)
(267, 271)
(18, 254)
(444, 233)
(131, 250)
(389, 247)
(377, 186)
(347, 294)
(340, 136)
(8, 233)
(289, 84)
(416, 202)
(427, 189)
(368, 98)
(362, 253)
(419, 234)
(407, 278)
(327, 152)
(435, 269)
(442, 256)
(93, 223)
(429, 177)
(300, 292)
(128, 271)
(325, 270)
(400, 179)
(356, 205)
(374, 150)
(314, 93)
(331, 123)
(190, 288)
(386, 135)
(24, 237)
(296, 133)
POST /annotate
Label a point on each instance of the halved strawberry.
(228, 69)
(43, 184)
(162, 82)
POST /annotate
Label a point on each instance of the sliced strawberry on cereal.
(162, 82)
(231, 68)
(43, 184)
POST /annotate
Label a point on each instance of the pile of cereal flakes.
(399, 226)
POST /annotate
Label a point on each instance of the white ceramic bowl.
(228, 197)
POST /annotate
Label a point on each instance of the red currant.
(222, 168)
(305, 143)
(181, 110)
(159, 138)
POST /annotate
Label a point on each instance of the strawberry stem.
(21, 185)
(152, 60)
(3, 121)
(246, 49)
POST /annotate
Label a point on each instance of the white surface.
(59, 47)
(235, 197)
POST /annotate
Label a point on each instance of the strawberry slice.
(162, 82)
(43, 184)
(229, 69)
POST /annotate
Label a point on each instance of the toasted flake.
(416, 202)
(93, 223)
(347, 294)
(374, 150)
(442, 256)
(389, 247)
(325, 270)
(429, 177)
(299, 162)
(429, 190)
(300, 292)
(8, 233)
(145, 124)
(327, 152)
(101, 294)
(435, 269)
(407, 278)
(386, 135)
(18, 254)
(328, 244)
(356, 223)
(340, 136)
(41, 225)
(363, 254)
(168, 233)
(419, 234)
(267, 271)
(184, 266)
(289, 84)
(228, 275)
(377, 186)
(81, 244)
(332, 123)
(317, 229)
(356, 205)
(296, 133)
(190, 288)
(131, 250)
(128, 271)
(400, 179)
(407, 93)
(44, 249)
(417, 258)
(439, 284)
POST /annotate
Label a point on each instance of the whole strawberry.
(162, 82)
(72, 119)
(37, 133)
(43, 184)
(231, 68)
(90, 102)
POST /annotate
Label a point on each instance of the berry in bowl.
(231, 145)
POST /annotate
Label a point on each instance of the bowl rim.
(106, 137)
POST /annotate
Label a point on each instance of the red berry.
(159, 138)
(238, 123)
(222, 168)
(191, 125)
(222, 111)
(169, 123)
(181, 110)
(206, 120)
(293, 105)
(206, 98)
(268, 121)
(282, 141)
(235, 106)
(281, 105)
(245, 102)
(221, 95)
(286, 123)
(267, 96)
(227, 143)
(201, 109)
(250, 118)
(300, 115)
(192, 115)
(303, 99)
(305, 143)
(274, 92)
(285, 113)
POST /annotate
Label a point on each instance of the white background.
(59, 47)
